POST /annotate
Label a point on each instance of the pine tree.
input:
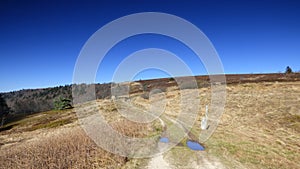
(288, 70)
(62, 103)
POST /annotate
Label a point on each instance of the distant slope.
(36, 100)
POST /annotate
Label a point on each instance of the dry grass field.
(260, 128)
(52, 146)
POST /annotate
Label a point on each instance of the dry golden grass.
(260, 127)
(133, 129)
(125, 126)
(68, 149)
(35, 143)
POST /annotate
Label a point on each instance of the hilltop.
(259, 129)
(30, 101)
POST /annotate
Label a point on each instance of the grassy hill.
(30, 101)
(260, 128)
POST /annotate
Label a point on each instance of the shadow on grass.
(33, 121)
(6, 128)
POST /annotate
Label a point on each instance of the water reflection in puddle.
(164, 139)
(194, 145)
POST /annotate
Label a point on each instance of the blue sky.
(41, 40)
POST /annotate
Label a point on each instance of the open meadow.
(260, 128)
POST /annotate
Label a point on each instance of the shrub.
(62, 103)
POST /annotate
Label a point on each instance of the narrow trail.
(177, 157)
(180, 158)
(158, 162)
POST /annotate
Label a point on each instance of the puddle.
(194, 145)
(164, 140)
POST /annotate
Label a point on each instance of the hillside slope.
(260, 128)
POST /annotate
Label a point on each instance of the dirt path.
(182, 158)
(158, 162)
(177, 157)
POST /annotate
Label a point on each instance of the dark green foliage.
(30, 101)
(62, 103)
(288, 70)
(4, 110)
(171, 79)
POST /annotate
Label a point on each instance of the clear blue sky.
(40, 40)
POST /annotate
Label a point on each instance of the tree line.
(29, 101)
